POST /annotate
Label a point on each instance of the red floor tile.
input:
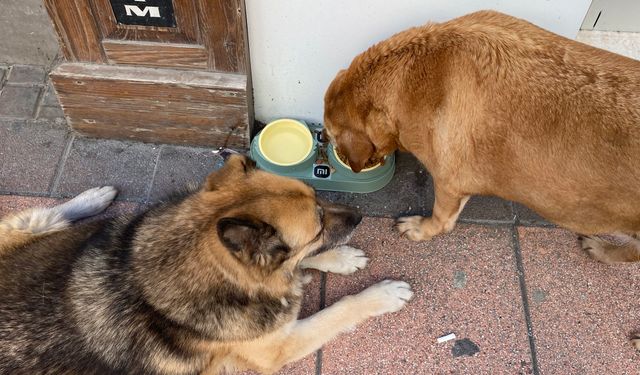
(15, 203)
(464, 282)
(582, 311)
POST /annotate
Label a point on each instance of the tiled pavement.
(505, 279)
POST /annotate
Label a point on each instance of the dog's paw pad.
(348, 260)
(88, 203)
(388, 296)
(411, 227)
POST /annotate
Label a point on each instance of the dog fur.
(493, 105)
(207, 282)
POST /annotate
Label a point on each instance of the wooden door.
(171, 71)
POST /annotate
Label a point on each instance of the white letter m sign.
(154, 12)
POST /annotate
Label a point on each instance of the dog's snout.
(354, 218)
(339, 223)
(351, 217)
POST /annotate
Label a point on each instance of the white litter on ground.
(445, 338)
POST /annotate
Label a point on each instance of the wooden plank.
(186, 21)
(76, 28)
(199, 99)
(178, 136)
(154, 105)
(159, 113)
(156, 54)
(223, 124)
(222, 27)
(227, 81)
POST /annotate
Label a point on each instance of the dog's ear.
(356, 147)
(236, 167)
(253, 241)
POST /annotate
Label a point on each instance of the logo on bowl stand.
(322, 168)
(321, 171)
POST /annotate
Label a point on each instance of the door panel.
(186, 84)
(156, 54)
(186, 30)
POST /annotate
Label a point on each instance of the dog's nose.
(354, 218)
(350, 216)
(346, 215)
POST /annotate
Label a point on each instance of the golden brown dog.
(210, 281)
(494, 105)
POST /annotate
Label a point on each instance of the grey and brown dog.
(209, 282)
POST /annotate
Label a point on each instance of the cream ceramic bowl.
(285, 142)
(335, 153)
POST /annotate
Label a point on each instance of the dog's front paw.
(347, 260)
(386, 296)
(412, 227)
(344, 260)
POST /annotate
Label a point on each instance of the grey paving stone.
(29, 155)
(29, 74)
(48, 112)
(3, 73)
(56, 122)
(27, 34)
(527, 216)
(409, 193)
(487, 208)
(50, 97)
(19, 101)
(182, 166)
(126, 165)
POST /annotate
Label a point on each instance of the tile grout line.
(43, 92)
(34, 194)
(514, 214)
(487, 222)
(319, 362)
(39, 101)
(147, 195)
(515, 237)
(5, 78)
(323, 289)
(61, 164)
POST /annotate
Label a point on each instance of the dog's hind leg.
(300, 338)
(610, 253)
(18, 228)
(344, 260)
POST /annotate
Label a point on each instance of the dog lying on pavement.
(209, 282)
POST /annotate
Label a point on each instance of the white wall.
(297, 46)
(613, 15)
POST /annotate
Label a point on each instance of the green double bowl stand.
(323, 171)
